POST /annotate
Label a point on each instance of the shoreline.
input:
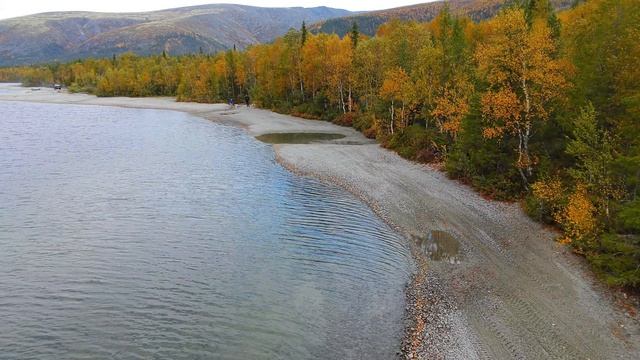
(415, 310)
(516, 293)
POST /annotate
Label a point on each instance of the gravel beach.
(512, 292)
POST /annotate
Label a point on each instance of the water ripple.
(136, 234)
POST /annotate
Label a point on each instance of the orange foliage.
(578, 218)
(452, 107)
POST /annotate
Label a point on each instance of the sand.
(515, 294)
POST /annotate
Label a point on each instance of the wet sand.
(515, 293)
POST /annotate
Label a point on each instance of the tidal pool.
(441, 246)
(297, 138)
(130, 234)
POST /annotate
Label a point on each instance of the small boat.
(35, 89)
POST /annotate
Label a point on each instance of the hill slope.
(65, 36)
(369, 22)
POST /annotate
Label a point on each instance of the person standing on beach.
(246, 99)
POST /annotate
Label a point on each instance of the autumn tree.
(444, 74)
(593, 149)
(229, 76)
(367, 71)
(339, 60)
(578, 220)
(291, 62)
(400, 44)
(200, 81)
(313, 63)
(398, 89)
(303, 40)
(523, 81)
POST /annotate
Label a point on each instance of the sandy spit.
(515, 294)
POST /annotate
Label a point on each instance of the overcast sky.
(13, 8)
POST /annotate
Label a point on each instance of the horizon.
(33, 7)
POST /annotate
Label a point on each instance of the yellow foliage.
(398, 87)
(451, 108)
(549, 191)
(524, 77)
(503, 105)
(578, 218)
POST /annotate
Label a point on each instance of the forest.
(531, 105)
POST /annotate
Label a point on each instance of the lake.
(137, 234)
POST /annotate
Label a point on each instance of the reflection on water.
(441, 246)
(297, 138)
(146, 234)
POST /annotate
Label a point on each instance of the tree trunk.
(301, 82)
(404, 119)
(635, 190)
(392, 116)
(524, 137)
(344, 109)
(527, 158)
(523, 157)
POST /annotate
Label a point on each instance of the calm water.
(147, 234)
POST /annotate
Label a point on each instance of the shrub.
(545, 200)
(371, 132)
(617, 260)
(484, 163)
(364, 122)
(76, 88)
(578, 220)
(345, 119)
(410, 141)
(307, 111)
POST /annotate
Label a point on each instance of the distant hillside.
(369, 22)
(65, 36)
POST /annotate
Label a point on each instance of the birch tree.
(524, 79)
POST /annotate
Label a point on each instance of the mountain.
(369, 22)
(63, 36)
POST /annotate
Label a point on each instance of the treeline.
(529, 105)
(200, 78)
